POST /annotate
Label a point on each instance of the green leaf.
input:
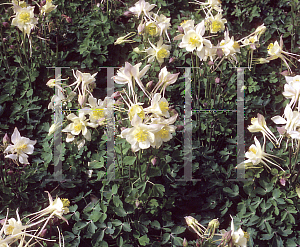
(129, 160)
(155, 224)
(95, 215)
(126, 227)
(178, 230)
(120, 211)
(143, 240)
(114, 189)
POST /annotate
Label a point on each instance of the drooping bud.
(217, 80)
(6, 139)
(179, 127)
(128, 13)
(5, 24)
(180, 29)
(219, 52)
(4, 40)
(43, 233)
(282, 181)
(210, 63)
(81, 99)
(149, 85)
(141, 28)
(285, 73)
(172, 59)
(153, 161)
(184, 243)
(116, 95)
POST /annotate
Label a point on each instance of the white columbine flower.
(79, 124)
(142, 7)
(125, 75)
(229, 46)
(98, 110)
(159, 106)
(22, 146)
(216, 23)
(292, 90)
(24, 19)
(141, 136)
(160, 52)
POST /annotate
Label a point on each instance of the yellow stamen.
(78, 127)
(24, 17)
(9, 229)
(163, 133)
(164, 106)
(141, 135)
(216, 26)
(162, 53)
(270, 46)
(98, 113)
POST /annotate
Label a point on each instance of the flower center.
(270, 46)
(65, 202)
(141, 135)
(216, 26)
(98, 113)
(9, 229)
(164, 106)
(194, 41)
(151, 29)
(163, 133)
(25, 17)
(253, 150)
(236, 45)
(162, 53)
(136, 109)
(78, 127)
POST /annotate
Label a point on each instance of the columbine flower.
(48, 7)
(14, 227)
(211, 4)
(275, 51)
(125, 39)
(165, 134)
(151, 28)
(141, 136)
(98, 110)
(22, 146)
(216, 23)
(229, 47)
(160, 52)
(159, 106)
(142, 7)
(292, 90)
(79, 124)
(125, 75)
(163, 23)
(193, 40)
(165, 79)
(24, 19)
(256, 155)
(85, 79)
(239, 238)
(259, 125)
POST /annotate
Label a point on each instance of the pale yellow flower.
(141, 136)
(24, 19)
(48, 7)
(216, 23)
(292, 90)
(22, 146)
(160, 52)
(142, 7)
(159, 106)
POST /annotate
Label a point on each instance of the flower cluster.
(151, 126)
(13, 230)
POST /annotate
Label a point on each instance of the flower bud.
(51, 83)
(179, 127)
(12, 47)
(43, 3)
(81, 99)
(210, 63)
(285, 73)
(149, 85)
(69, 19)
(137, 50)
(153, 161)
(5, 24)
(116, 95)
(180, 29)
(10, 172)
(185, 243)
(6, 139)
(282, 181)
(128, 13)
(217, 80)
(204, 104)
(4, 40)
(172, 59)
(137, 203)
(43, 233)
(219, 52)
(141, 28)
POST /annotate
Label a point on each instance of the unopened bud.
(128, 13)
(282, 181)
(81, 99)
(116, 95)
(137, 203)
(69, 19)
(217, 80)
(285, 73)
(219, 52)
(137, 50)
(51, 83)
(4, 40)
(179, 127)
(204, 104)
(172, 59)
(210, 63)
(5, 24)
(180, 29)
(43, 233)
(10, 172)
(214, 223)
(141, 28)
(153, 161)
(6, 139)
(185, 243)
(12, 47)
(149, 85)
(43, 3)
